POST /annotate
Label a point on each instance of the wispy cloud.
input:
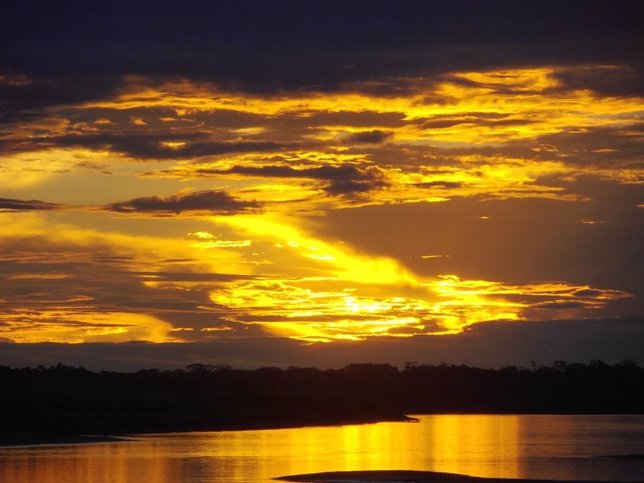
(26, 205)
(208, 202)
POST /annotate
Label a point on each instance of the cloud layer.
(288, 174)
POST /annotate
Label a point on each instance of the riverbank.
(32, 438)
(407, 477)
(41, 439)
(71, 400)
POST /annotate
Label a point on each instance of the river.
(510, 446)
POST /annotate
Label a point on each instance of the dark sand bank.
(405, 477)
(38, 439)
(120, 434)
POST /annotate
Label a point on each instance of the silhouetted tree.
(62, 398)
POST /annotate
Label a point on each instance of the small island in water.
(406, 477)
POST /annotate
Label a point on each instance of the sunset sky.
(260, 182)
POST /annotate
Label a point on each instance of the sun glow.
(347, 296)
(183, 150)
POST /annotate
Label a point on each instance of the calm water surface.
(564, 447)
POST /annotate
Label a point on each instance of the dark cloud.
(341, 180)
(113, 121)
(493, 344)
(150, 145)
(295, 120)
(159, 133)
(523, 241)
(618, 146)
(587, 293)
(228, 118)
(440, 185)
(610, 147)
(364, 118)
(30, 95)
(7, 204)
(212, 148)
(176, 276)
(213, 202)
(46, 284)
(286, 44)
(616, 80)
(560, 305)
(8, 118)
(369, 137)
(231, 118)
(443, 121)
(87, 283)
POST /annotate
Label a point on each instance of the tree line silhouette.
(204, 397)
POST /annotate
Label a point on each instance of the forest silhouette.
(62, 399)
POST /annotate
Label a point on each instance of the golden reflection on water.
(100, 463)
(491, 445)
(479, 445)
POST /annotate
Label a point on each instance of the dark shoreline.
(19, 440)
(31, 438)
(68, 400)
(59, 403)
(402, 476)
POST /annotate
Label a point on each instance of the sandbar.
(16, 439)
(400, 476)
